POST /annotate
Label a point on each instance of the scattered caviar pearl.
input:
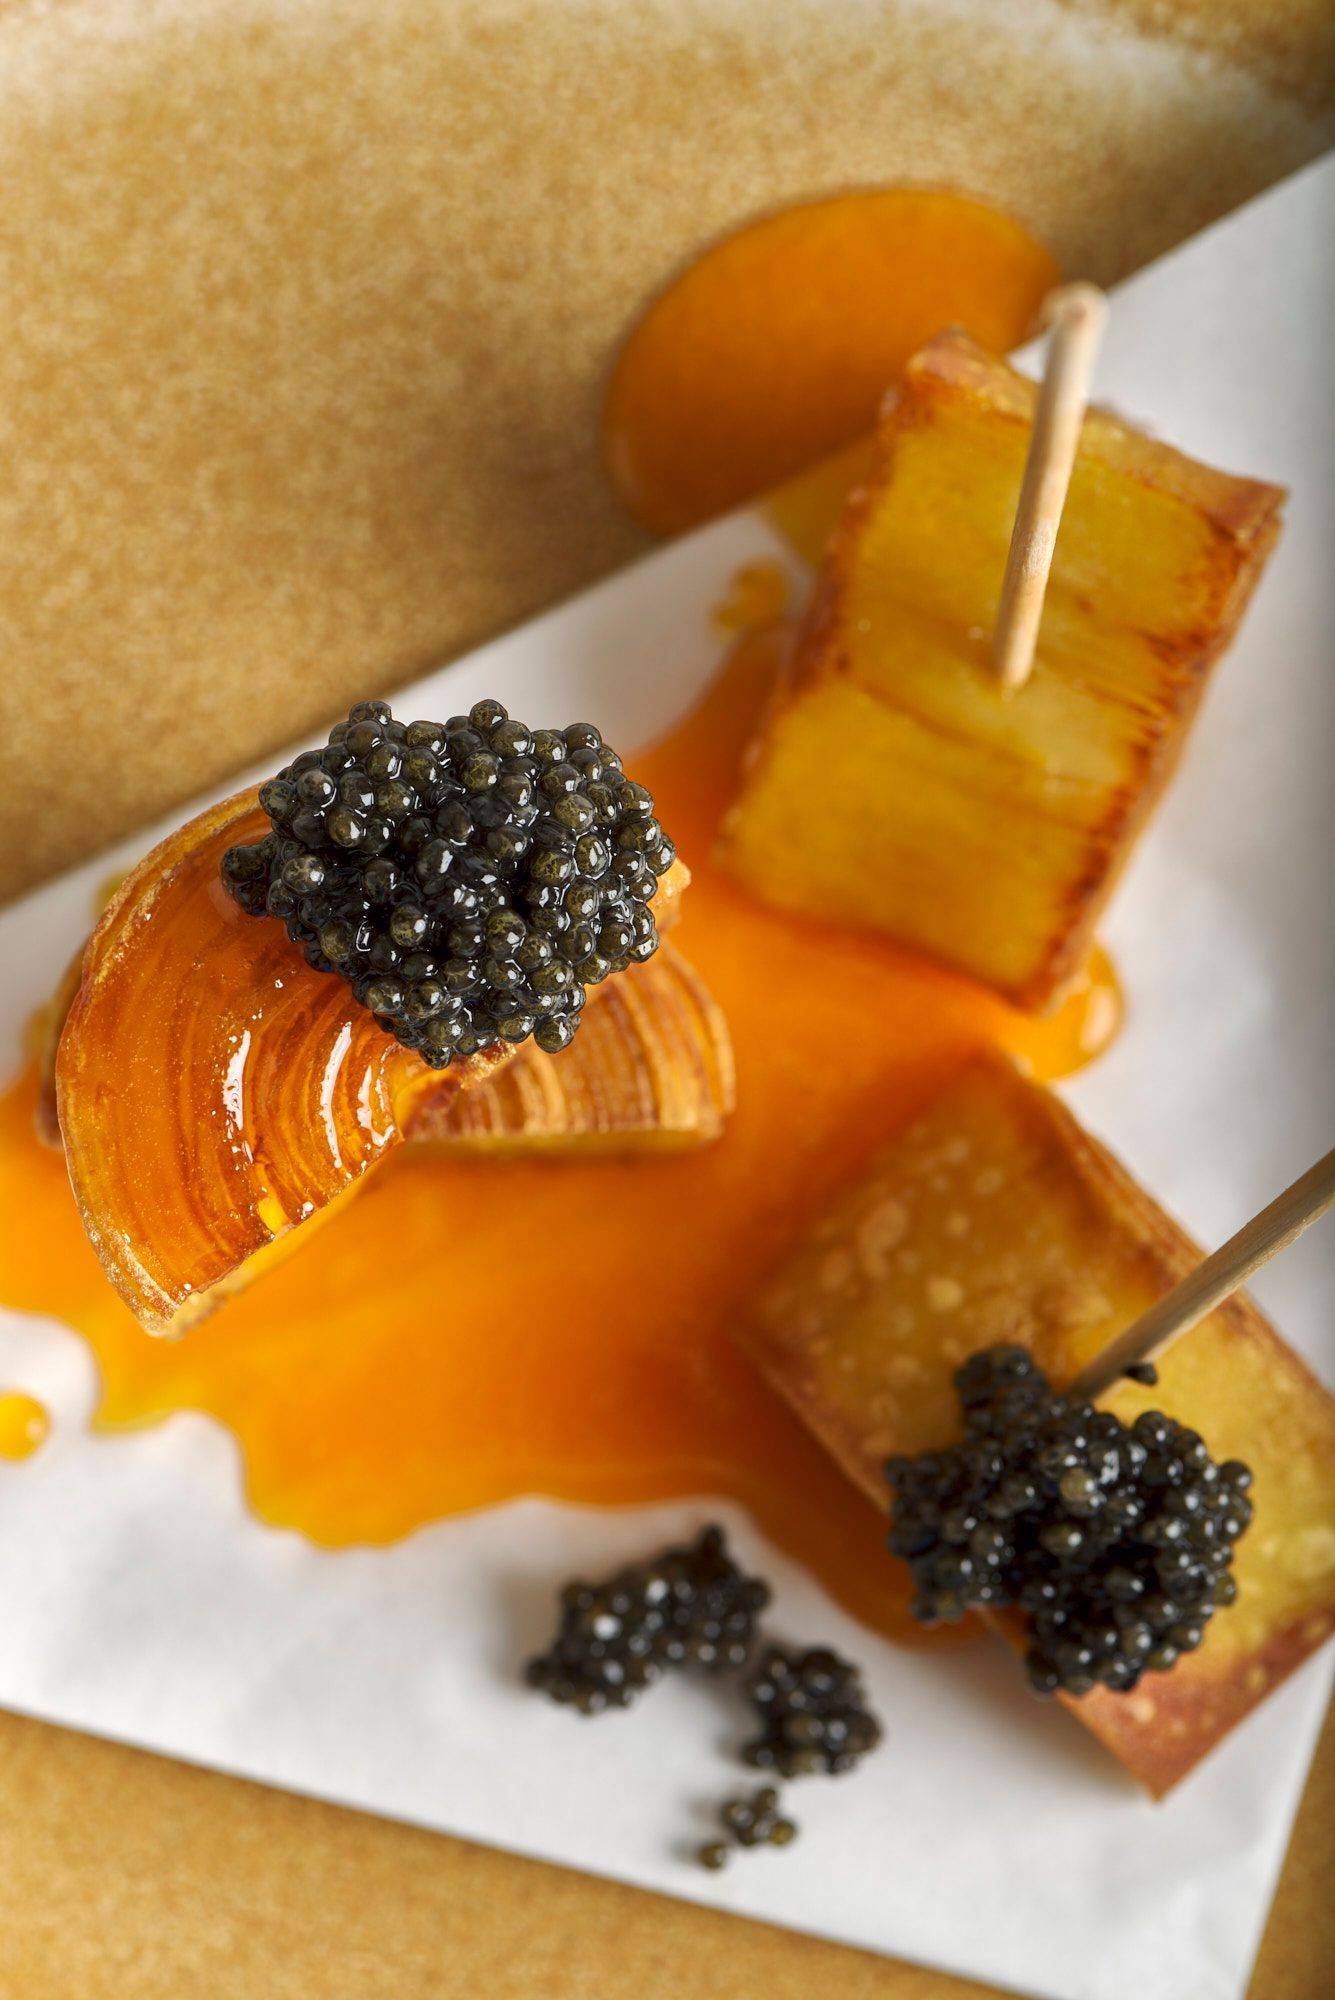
(686, 1607)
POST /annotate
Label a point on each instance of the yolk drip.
(465, 1331)
(24, 1424)
(778, 343)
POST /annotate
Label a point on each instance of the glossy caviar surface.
(754, 1821)
(419, 1418)
(1114, 1541)
(813, 1713)
(693, 1606)
(469, 879)
(686, 1607)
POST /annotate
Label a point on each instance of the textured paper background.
(189, 192)
(144, 1603)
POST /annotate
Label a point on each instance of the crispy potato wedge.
(995, 1217)
(896, 786)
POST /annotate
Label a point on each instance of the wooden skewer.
(1216, 1279)
(1077, 315)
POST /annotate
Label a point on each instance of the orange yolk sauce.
(777, 344)
(467, 1331)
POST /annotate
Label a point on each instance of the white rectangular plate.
(141, 1601)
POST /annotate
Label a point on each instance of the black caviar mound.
(686, 1607)
(813, 1713)
(469, 879)
(1116, 1541)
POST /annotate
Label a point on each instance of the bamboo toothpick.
(1077, 315)
(1216, 1279)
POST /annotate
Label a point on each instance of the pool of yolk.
(776, 345)
(466, 1331)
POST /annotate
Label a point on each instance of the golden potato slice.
(995, 1217)
(896, 785)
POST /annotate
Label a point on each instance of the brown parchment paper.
(126, 1877)
(307, 306)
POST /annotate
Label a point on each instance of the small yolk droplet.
(1088, 1020)
(24, 1424)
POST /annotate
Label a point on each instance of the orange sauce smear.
(466, 1331)
(777, 345)
(24, 1424)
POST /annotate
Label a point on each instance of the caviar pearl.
(688, 1606)
(813, 1713)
